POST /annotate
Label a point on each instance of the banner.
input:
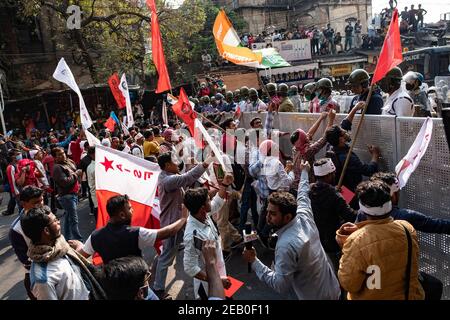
(290, 50)
(64, 74)
(119, 173)
(409, 163)
(271, 59)
(123, 87)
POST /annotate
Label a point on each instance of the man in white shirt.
(399, 103)
(30, 197)
(90, 176)
(57, 271)
(199, 225)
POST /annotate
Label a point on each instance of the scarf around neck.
(46, 253)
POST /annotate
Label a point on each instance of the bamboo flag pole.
(212, 123)
(344, 168)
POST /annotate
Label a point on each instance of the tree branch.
(92, 9)
(114, 16)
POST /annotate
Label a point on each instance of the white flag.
(64, 74)
(164, 113)
(219, 155)
(409, 163)
(92, 140)
(118, 173)
(123, 87)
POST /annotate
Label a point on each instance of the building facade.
(270, 15)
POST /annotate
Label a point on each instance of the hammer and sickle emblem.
(185, 108)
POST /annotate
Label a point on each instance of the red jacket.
(10, 173)
(75, 151)
(30, 178)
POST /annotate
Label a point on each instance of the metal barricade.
(428, 189)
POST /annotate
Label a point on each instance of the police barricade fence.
(428, 189)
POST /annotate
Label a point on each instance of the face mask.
(19, 157)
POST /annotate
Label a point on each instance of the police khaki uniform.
(286, 104)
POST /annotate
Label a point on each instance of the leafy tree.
(114, 33)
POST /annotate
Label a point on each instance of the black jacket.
(330, 212)
(84, 163)
(375, 103)
(355, 169)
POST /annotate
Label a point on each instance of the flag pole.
(212, 123)
(344, 168)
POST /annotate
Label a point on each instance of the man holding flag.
(171, 186)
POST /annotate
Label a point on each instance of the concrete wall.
(311, 13)
(260, 18)
(304, 13)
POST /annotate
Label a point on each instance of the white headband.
(324, 169)
(33, 153)
(376, 211)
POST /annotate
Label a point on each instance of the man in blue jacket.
(338, 137)
(359, 81)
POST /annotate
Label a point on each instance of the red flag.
(183, 110)
(114, 82)
(121, 173)
(110, 123)
(158, 52)
(391, 53)
(237, 113)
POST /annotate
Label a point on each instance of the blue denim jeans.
(249, 199)
(69, 203)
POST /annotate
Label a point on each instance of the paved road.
(178, 283)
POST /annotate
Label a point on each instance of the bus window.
(444, 64)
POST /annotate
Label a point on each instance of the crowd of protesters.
(323, 245)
